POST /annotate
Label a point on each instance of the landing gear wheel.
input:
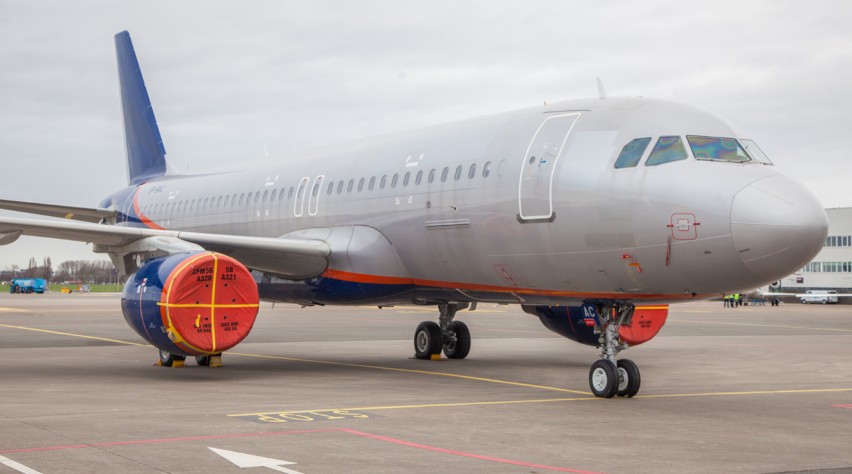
(428, 340)
(603, 379)
(210, 360)
(628, 378)
(167, 359)
(458, 345)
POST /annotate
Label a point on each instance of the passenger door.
(535, 190)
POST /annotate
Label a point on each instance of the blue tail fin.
(146, 156)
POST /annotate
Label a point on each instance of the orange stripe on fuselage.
(148, 222)
(386, 280)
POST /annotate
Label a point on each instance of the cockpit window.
(717, 149)
(755, 152)
(632, 153)
(666, 150)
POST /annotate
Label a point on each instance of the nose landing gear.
(609, 376)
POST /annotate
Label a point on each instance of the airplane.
(592, 215)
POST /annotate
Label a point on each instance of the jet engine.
(578, 322)
(191, 304)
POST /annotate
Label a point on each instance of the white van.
(820, 296)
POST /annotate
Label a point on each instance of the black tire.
(203, 361)
(628, 378)
(167, 359)
(428, 340)
(603, 379)
(458, 346)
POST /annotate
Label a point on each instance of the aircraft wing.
(86, 214)
(292, 258)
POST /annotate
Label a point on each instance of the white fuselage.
(493, 209)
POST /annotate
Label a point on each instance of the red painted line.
(843, 406)
(297, 432)
(461, 453)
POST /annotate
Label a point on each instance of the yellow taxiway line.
(414, 371)
(777, 326)
(531, 401)
(70, 334)
(586, 395)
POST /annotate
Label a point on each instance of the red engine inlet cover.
(209, 303)
(647, 322)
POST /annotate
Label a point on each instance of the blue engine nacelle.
(578, 322)
(191, 303)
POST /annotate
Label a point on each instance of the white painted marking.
(17, 466)
(243, 460)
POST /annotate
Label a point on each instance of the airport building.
(831, 269)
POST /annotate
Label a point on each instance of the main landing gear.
(453, 337)
(609, 376)
(167, 359)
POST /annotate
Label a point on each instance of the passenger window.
(394, 180)
(271, 197)
(206, 200)
(242, 196)
(227, 202)
(256, 199)
(432, 176)
(330, 188)
(717, 149)
(219, 202)
(632, 153)
(383, 182)
(419, 178)
(406, 178)
(472, 171)
(315, 190)
(372, 183)
(360, 185)
(349, 187)
(755, 152)
(290, 193)
(458, 172)
(444, 174)
(265, 195)
(486, 170)
(666, 150)
(340, 187)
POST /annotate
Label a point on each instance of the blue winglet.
(146, 155)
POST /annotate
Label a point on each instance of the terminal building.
(831, 269)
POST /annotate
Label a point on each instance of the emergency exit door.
(535, 191)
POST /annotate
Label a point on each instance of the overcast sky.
(229, 79)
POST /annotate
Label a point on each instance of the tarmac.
(326, 390)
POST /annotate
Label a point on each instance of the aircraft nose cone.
(777, 226)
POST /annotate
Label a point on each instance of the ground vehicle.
(28, 285)
(819, 296)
